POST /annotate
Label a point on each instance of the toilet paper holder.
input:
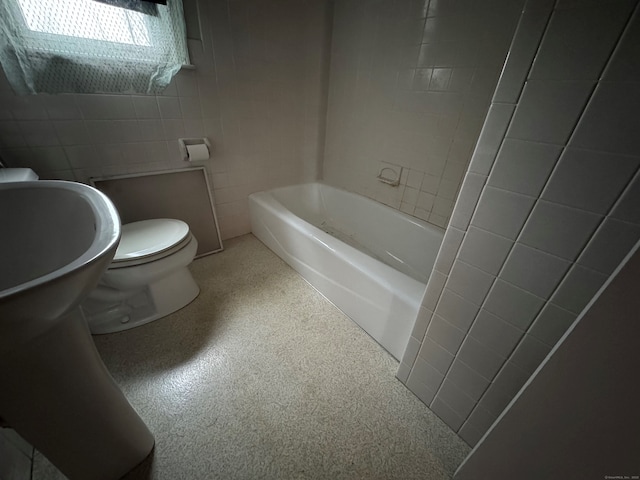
(183, 142)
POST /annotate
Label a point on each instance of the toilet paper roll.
(197, 152)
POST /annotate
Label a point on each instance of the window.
(85, 46)
(85, 19)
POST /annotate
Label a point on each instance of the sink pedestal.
(57, 394)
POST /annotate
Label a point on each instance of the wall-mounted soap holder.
(389, 176)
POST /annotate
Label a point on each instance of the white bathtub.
(370, 260)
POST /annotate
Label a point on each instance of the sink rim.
(108, 231)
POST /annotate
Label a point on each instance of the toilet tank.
(17, 175)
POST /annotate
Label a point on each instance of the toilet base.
(139, 307)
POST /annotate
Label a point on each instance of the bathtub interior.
(397, 240)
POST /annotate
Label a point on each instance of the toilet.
(147, 279)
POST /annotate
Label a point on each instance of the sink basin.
(57, 239)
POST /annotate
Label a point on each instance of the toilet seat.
(150, 240)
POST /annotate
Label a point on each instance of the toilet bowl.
(147, 279)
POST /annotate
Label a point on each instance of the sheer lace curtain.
(88, 46)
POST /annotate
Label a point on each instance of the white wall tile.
(513, 304)
(480, 358)
(422, 322)
(616, 104)
(173, 129)
(470, 434)
(625, 63)
(190, 107)
(495, 333)
(95, 107)
(425, 201)
(436, 356)
(426, 374)
(461, 78)
(150, 130)
(448, 250)
(469, 381)
(71, 132)
(521, 54)
(559, 230)
(403, 372)
(456, 310)
(551, 324)
(469, 282)
(169, 107)
(18, 157)
(534, 270)
(39, 133)
(413, 346)
(484, 250)
(495, 399)
(11, 135)
(610, 244)
(422, 391)
(82, 156)
(481, 419)
(106, 155)
(529, 354)
(578, 288)
(434, 289)
(548, 110)
(524, 167)
(491, 137)
(573, 30)
(447, 414)
(626, 208)
(448, 189)
(61, 107)
(414, 179)
(455, 399)
(502, 212)
(193, 127)
(47, 159)
(444, 334)
(581, 172)
(511, 379)
(29, 107)
(467, 200)
(127, 130)
(146, 107)
(441, 211)
(101, 132)
(187, 83)
(438, 220)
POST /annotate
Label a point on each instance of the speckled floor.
(262, 378)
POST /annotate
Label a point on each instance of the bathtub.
(369, 260)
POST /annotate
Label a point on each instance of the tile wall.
(410, 85)
(257, 92)
(548, 209)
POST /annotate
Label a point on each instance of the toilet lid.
(149, 237)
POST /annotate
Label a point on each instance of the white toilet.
(147, 279)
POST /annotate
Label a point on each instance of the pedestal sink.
(56, 240)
